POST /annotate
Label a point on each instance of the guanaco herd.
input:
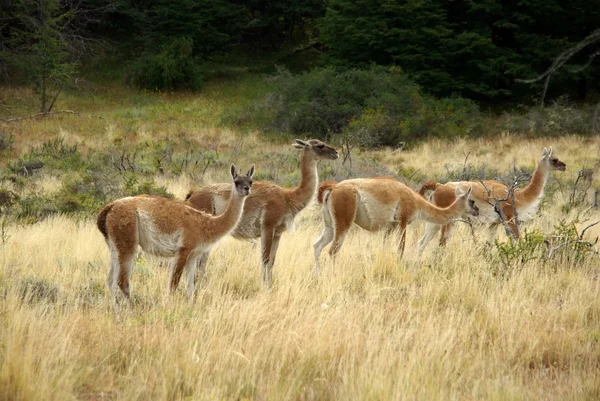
(187, 230)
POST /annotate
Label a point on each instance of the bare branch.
(562, 58)
(44, 114)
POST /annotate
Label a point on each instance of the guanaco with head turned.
(485, 194)
(167, 227)
(375, 204)
(270, 209)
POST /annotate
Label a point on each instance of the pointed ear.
(545, 152)
(459, 192)
(550, 151)
(300, 144)
(251, 171)
(469, 191)
(232, 171)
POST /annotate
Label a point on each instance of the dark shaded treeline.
(474, 49)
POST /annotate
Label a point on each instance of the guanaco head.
(317, 149)
(469, 204)
(550, 162)
(242, 183)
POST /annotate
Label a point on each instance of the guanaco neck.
(301, 196)
(433, 214)
(534, 189)
(224, 223)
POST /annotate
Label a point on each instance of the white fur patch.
(528, 212)
(220, 204)
(155, 242)
(371, 214)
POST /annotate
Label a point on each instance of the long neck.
(433, 214)
(225, 222)
(303, 194)
(534, 189)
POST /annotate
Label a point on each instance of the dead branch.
(497, 204)
(579, 240)
(36, 115)
(562, 58)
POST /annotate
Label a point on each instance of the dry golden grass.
(371, 327)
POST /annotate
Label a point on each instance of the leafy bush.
(557, 119)
(382, 103)
(173, 67)
(565, 246)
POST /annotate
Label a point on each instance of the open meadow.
(471, 321)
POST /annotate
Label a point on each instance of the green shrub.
(173, 67)
(383, 104)
(555, 120)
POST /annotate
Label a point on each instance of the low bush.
(382, 103)
(174, 66)
(554, 120)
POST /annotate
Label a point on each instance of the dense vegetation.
(472, 49)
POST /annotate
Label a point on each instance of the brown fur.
(484, 193)
(428, 186)
(324, 187)
(101, 220)
(166, 227)
(376, 204)
(270, 209)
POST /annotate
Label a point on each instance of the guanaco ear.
(550, 151)
(469, 191)
(300, 144)
(251, 171)
(545, 152)
(459, 192)
(232, 171)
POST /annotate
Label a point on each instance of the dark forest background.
(335, 62)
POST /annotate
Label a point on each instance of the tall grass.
(449, 327)
(371, 327)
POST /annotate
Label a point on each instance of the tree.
(471, 48)
(44, 40)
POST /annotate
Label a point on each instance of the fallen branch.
(36, 115)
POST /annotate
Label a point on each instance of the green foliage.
(173, 67)
(514, 255)
(565, 246)
(41, 48)
(383, 104)
(474, 49)
(554, 120)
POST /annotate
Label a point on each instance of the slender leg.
(343, 207)
(266, 240)
(402, 234)
(274, 247)
(431, 230)
(124, 273)
(326, 238)
(190, 272)
(202, 259)
(177, 269)
(492, 229)
(447, 230)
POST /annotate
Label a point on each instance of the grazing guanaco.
(375, 204)
(167, 227)
(485, 194)
(270, 209)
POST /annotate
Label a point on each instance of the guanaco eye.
(320, 146)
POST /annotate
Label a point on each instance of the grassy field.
(464, 323)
